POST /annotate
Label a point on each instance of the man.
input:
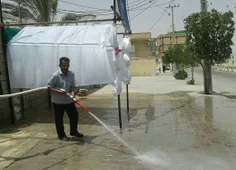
(64, 79)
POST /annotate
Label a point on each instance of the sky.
(148, 21)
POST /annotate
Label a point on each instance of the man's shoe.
(78, 135)
(64, 138)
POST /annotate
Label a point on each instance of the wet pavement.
(170, 131)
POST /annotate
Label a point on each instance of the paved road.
(223, 82)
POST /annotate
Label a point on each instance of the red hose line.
(63, 92)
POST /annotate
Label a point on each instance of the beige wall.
(141, 42)
(143, 66)
(143, 35)
(141, 48)
(164, 41)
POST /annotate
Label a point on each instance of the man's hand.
(60, 91)
(74, 92)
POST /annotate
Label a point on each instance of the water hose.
(62, 91)
(22, 93)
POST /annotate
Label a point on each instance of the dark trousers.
(72, 113)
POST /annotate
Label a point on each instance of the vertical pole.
(21, 97)
(119, 107)
(114, 4)
(203, 5)
(127, 98)
(22, 104)
(173, 25)
(173, 32)
(173, 28)
(49, 100)
(5, 63)
(46, 11)
(46, 20)
(20, 17)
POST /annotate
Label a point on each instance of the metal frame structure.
(5, 62)
(116, 18)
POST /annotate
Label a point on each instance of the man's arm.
(73, 86)
(51, 82)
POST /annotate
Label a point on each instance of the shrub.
(191, 82)
(181, 75)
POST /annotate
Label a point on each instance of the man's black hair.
(64, 59)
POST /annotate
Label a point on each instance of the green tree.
(181, 55)
(190, 60)
(209, 37)
(174, 55)
(35, 11)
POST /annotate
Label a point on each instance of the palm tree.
(35, 11)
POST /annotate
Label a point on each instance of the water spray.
(150, 159)
(63, 92)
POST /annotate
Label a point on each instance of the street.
(223, 82)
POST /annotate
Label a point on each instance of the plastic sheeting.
(33, 54)
(122, 64)
(126, 46)
(119, 66)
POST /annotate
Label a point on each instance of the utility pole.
(173, 29)
(19, 6)
(203, 5)
(46, 19)
(173, 22)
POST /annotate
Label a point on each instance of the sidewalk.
(171, 131)
(226, 68)
(161, 84)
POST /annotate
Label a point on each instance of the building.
(164, 41)
(141, 44)
(143, 60)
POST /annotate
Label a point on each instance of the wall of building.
(143, 67)
(5, 109)
(141, 44)
(21, 105)
(142, 49)
(164, 41)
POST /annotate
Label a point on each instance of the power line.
(169, 29)
(142, 11)
(158, 20)
(71, 3)
(135, 2)
(160, 16)
(141, 4)
(134, 9)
